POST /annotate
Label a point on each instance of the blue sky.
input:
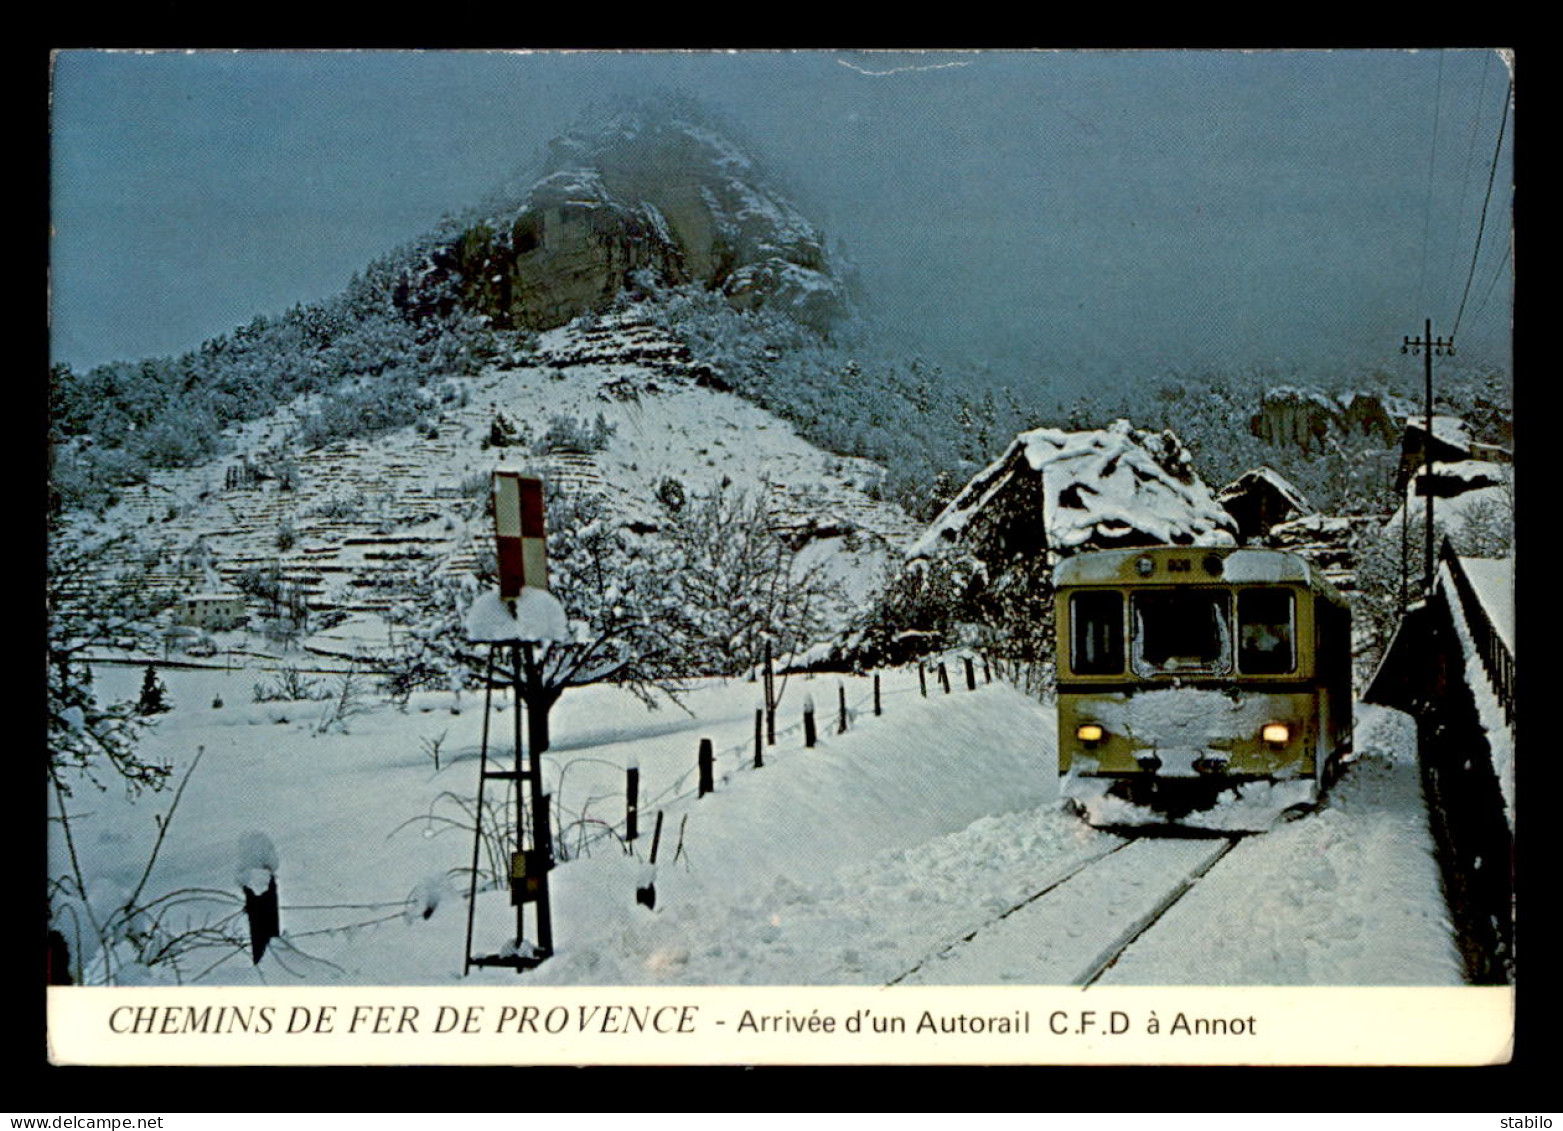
(1066, 217)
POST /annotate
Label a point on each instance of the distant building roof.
(1068, 490)
(1262, 499)
(1450, 429)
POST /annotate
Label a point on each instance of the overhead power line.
(1481, 226)
(1496, 275)
(1432, 160)
(1465, 168)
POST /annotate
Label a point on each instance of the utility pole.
(1427, 345)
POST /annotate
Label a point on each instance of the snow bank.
(767, 842)
(849, 863)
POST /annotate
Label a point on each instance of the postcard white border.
(1019, 1025)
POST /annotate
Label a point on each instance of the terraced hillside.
(346, 524)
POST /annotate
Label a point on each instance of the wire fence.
(1033, 679)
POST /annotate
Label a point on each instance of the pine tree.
(154, 696)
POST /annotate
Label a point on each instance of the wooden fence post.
(877, 709)
(987, 671)
(261, 908)
(944, 677)
(809, 735)
(646, 893)
(841, 697)
(705, 761)
(922, 678)
(631, 802)
(759, 737)
(971, 675)
(770, 697)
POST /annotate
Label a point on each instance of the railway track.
(1073, 929)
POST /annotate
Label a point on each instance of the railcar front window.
(1178, 631)
(1264, 632)
(1096, 626)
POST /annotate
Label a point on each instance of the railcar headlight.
(1090, 732)
(1276, 734)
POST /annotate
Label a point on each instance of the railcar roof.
(1238, 564)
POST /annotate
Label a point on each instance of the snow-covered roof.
(1103, 484)
(1274, 479)
(1452, 511)
(1476, 472)
(1317, 526)
(1449, 429)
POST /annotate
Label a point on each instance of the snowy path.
(1347, 896)
(1066, 936)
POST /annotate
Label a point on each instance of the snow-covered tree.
(90, 607)
(919, 610)
(741, 583)
(620, 597)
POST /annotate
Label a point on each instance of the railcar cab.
(1223, 664)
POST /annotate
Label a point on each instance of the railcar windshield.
(1182, 631)
(1096, 633)
(1265, 620)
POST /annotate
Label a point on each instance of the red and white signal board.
(519, 533)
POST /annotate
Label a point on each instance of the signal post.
(523, 616)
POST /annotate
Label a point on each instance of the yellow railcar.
(1195, 679)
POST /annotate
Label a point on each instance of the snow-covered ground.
(1347, 896)
(853, 862)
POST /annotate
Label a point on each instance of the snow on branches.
(91, 608)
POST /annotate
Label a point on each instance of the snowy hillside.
(346, 524)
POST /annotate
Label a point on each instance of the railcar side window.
(1264, 632)
(1096, 625)
(1181, 630)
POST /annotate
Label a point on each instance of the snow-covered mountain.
(347, 524)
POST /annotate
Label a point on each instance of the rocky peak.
(653, 193)
(1307, 419)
